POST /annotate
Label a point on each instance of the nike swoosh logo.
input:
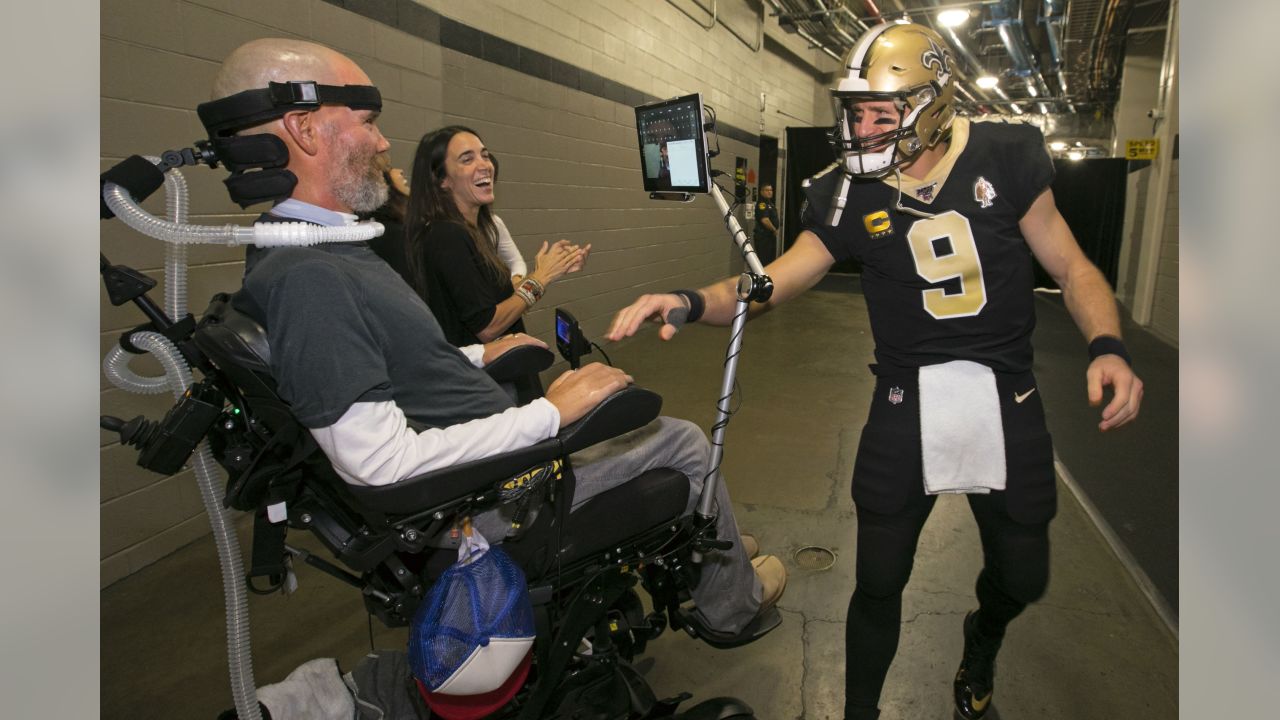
(980, 705)
(1019, 397)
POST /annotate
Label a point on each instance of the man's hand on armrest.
(494, 349)
(576, 392)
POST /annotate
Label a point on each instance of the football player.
(945, 216)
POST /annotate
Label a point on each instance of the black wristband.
(696, 305)
(1109, 345)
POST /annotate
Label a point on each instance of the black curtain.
(1090, 194)
(808, 152)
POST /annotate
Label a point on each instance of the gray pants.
(728, 593)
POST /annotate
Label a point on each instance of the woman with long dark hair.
(452, 238)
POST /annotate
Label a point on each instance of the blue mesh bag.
(472, 635)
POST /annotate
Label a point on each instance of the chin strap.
(842, 196)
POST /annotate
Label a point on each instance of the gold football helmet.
(909, 65)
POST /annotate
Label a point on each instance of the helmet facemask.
(907, 65)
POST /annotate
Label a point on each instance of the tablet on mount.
(673, 151)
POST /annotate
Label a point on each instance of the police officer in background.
(765, 235)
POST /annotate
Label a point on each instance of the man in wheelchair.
(364, 367)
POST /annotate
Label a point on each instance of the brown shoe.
(750, 546)
(773, 580)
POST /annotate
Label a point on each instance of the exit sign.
(1142, 149)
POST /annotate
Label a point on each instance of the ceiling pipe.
(787, 21)
(1053, 16)
(1006, 18)
(963, 51)
(714, 12)
(711, 12)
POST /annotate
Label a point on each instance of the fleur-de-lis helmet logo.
(938, 58)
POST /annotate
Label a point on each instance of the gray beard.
(361, 192)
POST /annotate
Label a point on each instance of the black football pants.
(892, 508)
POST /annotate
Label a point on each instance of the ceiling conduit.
(1006, 18)
(1053, 15)
(714, 12)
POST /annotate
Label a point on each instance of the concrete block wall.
(548, 84)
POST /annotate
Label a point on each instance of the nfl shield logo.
(895, 395)
(926, 193)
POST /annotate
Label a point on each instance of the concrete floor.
(1092, 648)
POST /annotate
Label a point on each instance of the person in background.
(765, 234)
(391, 245)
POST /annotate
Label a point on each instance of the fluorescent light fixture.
(1057, 146)
(986, 82)
(1031, 90)
(1075, 155)
(953, 17)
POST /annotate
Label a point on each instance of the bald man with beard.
(365, 366)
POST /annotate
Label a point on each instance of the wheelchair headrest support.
(257, 162)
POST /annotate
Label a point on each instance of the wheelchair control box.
(570, 341)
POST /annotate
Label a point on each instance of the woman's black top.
(463, 291)
(392, 246)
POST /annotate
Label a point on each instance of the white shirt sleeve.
(474, 353)
(507, 249)
(372, 443)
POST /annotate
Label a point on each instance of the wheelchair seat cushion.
(655, 497)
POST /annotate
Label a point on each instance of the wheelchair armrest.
(626, 410)
(519, 362)
(621, 412)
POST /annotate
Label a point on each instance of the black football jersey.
(955, 286)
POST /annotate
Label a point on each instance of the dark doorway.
(808, 152)
(1090, 194)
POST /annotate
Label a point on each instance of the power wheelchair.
(583, 567)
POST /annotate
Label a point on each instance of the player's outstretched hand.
(576, 392)
(646, 307)
(1114, 371)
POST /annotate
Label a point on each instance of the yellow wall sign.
(1141, 149)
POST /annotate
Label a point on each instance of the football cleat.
(975, 680)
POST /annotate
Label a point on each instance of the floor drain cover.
(813, 557)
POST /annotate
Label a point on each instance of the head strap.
(246, 109)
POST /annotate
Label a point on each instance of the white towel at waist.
(961, 433)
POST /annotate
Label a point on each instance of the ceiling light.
(1057, 146)
(953, 17)
(986, 82)
(1075, 155)
(1031, 90)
